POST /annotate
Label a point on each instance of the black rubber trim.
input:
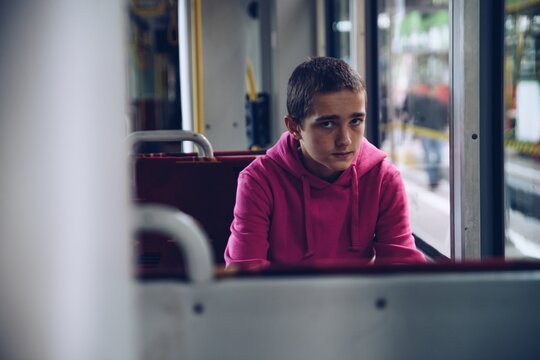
(491, 128)
(372, 72)
(433, 254)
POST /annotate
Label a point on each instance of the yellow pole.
(198, 88)
(250, 82)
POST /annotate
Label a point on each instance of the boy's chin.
(341, 167)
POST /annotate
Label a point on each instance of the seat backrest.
(202, 188)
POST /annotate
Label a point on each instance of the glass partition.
(413, 38)
(154, 82)
(339, 26)
(522, 128)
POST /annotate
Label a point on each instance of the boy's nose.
(343, 138)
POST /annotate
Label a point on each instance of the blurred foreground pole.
(65, 276)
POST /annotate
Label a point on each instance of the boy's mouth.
(343, 154)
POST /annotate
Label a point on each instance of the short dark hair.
(319, 75)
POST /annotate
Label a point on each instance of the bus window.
(413, 43)
(339, 25)
(522, 128)
(154, 83)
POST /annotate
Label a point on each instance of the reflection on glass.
(154, 65)
(522, 128)
(414, 76)
(338, 29)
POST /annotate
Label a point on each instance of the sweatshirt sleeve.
(248, 245)
(394, 241)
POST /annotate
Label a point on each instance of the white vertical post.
(65, 250)
(358, 36)
(465, 129)
(185, 63)
(320, 19)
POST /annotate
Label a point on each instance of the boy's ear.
(293, 127)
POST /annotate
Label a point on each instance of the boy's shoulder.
(388, 166)
(263, 165)
(375, 161)
(383, 170)
(390, 173)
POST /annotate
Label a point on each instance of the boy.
(322, 194)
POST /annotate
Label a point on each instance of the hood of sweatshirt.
(367, 158)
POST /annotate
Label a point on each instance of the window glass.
(522, 128)
(414, 72)
(339, 27)
(154, 86)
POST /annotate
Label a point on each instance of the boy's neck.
(331, 178)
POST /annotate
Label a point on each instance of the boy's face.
(330, 136)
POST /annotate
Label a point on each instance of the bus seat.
(204, 188)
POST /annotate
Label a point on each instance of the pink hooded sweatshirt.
(286, 215)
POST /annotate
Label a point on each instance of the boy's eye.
(326, 124)
(356, 121)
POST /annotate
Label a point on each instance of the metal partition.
(392, 316)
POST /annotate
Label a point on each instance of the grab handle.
(170, 135)
(187, 234)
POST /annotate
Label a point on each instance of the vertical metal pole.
(477, 159)
(321, 28)
(198, 80)
(465, 133)
(358, 36)
(186, 81)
